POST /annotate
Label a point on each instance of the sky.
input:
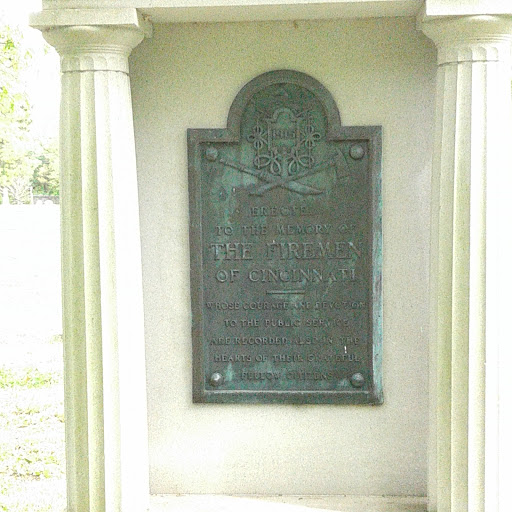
(42, 78)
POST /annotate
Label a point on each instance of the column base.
(257, 503)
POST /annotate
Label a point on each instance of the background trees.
(28, 163)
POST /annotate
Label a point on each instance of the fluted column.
(470, 276)
(105, 381)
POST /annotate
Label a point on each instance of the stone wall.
(380, 72)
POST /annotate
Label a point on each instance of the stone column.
(471, 278)
(105, 380)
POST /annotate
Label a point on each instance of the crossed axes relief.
(288, 182)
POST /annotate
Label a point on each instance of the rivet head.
(357, 380)
(356, 152)
(211, 154)
(216, 379)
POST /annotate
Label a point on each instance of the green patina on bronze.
(286, 250)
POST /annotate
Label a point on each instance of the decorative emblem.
(283, 145)
(283, 148)
(284, 138)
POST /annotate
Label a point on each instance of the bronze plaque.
(286, 250)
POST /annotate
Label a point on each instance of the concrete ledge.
(183, 11)
(206, 503)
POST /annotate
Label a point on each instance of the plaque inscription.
(286, 250)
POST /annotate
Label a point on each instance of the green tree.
(18, 150)
(45, 180)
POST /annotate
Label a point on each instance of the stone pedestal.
(470, 279)
(105, 377)
(105, 381)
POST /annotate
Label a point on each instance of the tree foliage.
(25, 162)
(45, 180)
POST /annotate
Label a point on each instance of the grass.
(29, 460)
(32, 462)
(27, 378)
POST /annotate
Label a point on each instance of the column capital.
(469, 38)
(92, 39)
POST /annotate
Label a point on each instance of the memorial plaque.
(286, 250)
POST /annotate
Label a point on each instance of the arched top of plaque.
(283, 87)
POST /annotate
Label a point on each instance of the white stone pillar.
(105, 379)
(471, 277)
